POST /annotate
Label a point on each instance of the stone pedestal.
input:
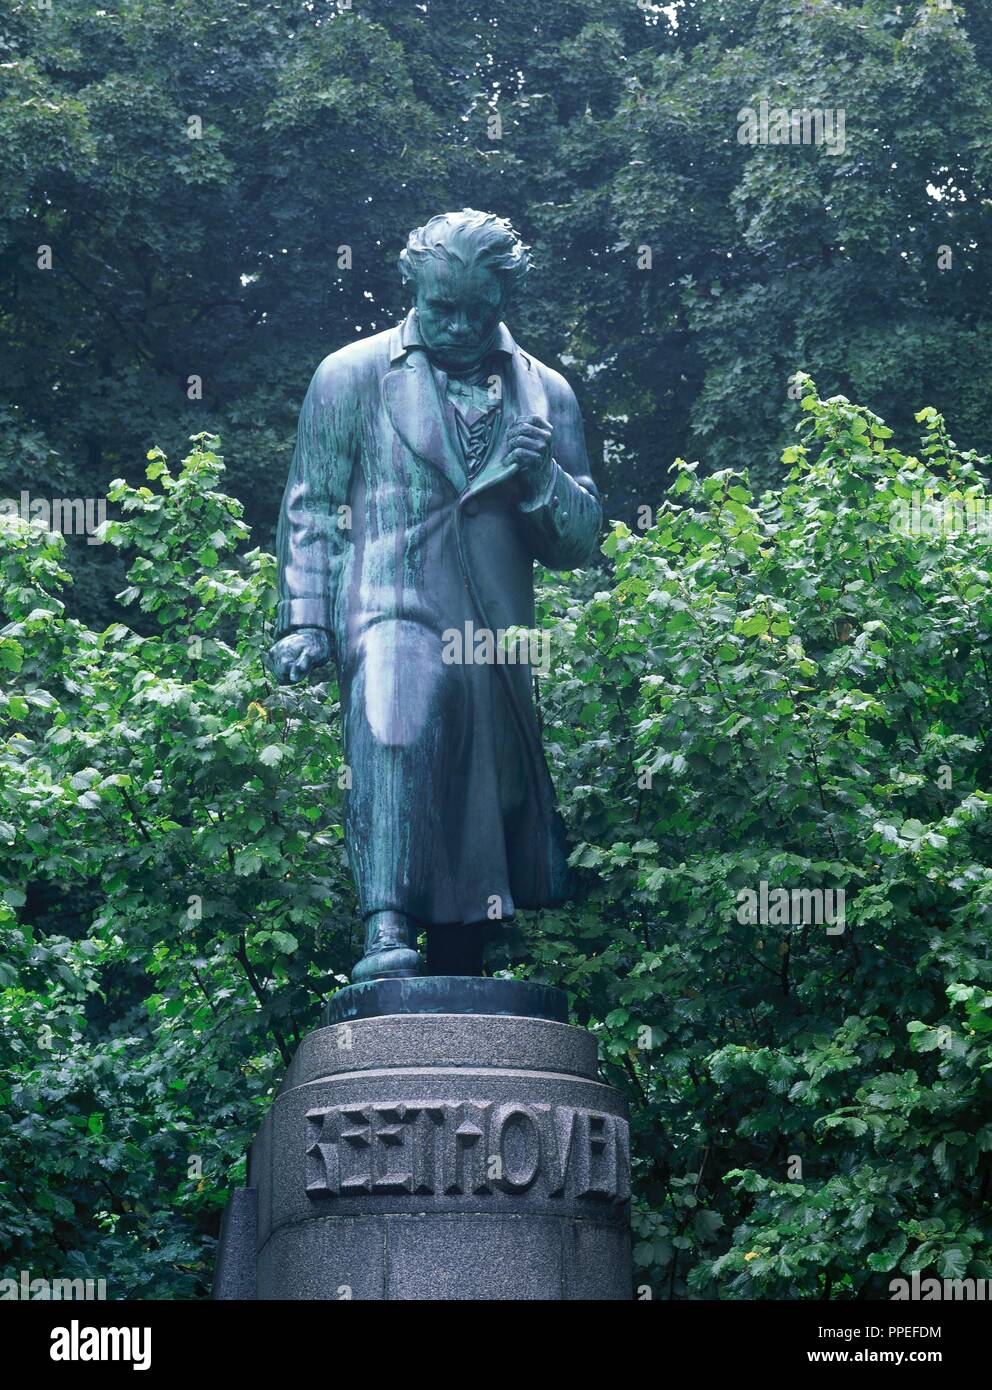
(436, 1156)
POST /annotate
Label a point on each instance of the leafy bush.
(174, 832)
(809, 693)
(778, 688)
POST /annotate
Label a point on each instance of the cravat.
(476, 414)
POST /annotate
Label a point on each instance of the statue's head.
(463, 268)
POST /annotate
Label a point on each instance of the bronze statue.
(434, 463)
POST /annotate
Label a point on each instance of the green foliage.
(327, 127)
(776, 686)
(184, 819)
(783, 688)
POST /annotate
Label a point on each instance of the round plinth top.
(447, 994)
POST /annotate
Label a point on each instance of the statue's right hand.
(298, 653)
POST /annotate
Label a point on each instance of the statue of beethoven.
(435, 462)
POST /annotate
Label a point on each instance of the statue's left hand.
(295, 655)
(528, 445)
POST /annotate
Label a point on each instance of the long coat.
(384, 542)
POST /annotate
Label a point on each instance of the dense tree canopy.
(600, 132)
(762, 681)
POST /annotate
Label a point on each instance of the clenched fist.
(528, 445)
(298, 653)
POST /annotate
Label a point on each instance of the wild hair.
(468, 238)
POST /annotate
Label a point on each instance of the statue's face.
(458, 310)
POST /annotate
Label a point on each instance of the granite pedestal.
(436, 1155)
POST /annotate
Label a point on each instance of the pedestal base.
(436, 1156)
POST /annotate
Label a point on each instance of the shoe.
(388, 953)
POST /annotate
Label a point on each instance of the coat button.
(471, 508)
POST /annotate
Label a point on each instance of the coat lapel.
(413, 404)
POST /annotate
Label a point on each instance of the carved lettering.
(463, 1148)
(463, 1138)
(516, 1140)
(391, 1150)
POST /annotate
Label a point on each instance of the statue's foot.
(395, 963)
(388, 952)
